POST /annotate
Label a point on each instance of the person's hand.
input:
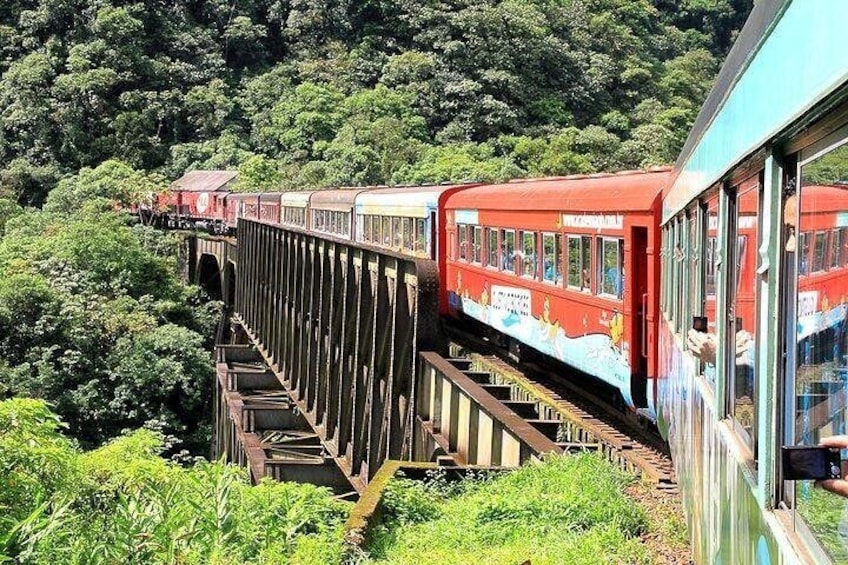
(838, 486)
(702, 345)
(744, 342)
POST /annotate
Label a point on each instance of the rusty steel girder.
(341, 325)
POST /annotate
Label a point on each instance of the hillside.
(321, 93)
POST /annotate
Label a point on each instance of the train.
(753, 340)
(566, 266)
(712, 295)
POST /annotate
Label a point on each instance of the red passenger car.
(568, 266)
(269, 207)
(822, 249)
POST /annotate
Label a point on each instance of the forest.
(315, 93)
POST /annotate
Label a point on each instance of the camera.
(699, 323)
(811, 463)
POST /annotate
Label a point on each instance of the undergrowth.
(569, 509)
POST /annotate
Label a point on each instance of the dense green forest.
(95, 319)
(298, 93)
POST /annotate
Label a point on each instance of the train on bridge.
(713, 296)
(568, 266)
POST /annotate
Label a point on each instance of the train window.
(508, 250)
(611, 273)
(695, 302)
(462, 241)
(664, 266)
(528, 254)
(408, 234)
(818, 252)
(377, 230)
(835, 249)
(386, 232)
(492, 241)
(742, 302)
(820, 338)
(580, 262)
(477, 244)
(803, 253)
(420, 235)
(843, 247)
(552, 267)
(679, 261)
(397, 232)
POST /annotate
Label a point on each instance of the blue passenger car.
(755, 254)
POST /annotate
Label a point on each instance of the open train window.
(580, 262)
(803, 253)
(834, 248)
(492, 242)
(551, 268)
(462, 241)
(507, 255)
(477, 244)
(611, 266)
(421, 235)
(528, 254)
(386, 234)
(819, 252)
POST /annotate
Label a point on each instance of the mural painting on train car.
(508, 309)
(813, 319)
(722, 512)
(202, 202)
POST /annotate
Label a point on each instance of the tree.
(258, 174)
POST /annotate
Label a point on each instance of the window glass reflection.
(821, 377)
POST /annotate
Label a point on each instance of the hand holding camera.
(840, 485)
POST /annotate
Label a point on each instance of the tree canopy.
(302, 93)
(94, 318)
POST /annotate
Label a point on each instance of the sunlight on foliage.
(566, 510)
(122, 503)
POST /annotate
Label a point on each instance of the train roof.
(818, 199)
(298, 199)
(205, 181)
(242, 195)
(619, 192)
(410, 201)
(340, 199)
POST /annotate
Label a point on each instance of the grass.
(825, 513)
(569, 509)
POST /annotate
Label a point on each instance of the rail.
(459, 421)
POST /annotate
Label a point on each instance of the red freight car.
(202, 197)
(568, 266)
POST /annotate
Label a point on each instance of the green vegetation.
(311, 93)
(824, 513)
(567, 510)
(94, 319)
(123, 504)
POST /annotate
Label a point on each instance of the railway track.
(569, 415)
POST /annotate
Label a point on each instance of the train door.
(639, 301)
